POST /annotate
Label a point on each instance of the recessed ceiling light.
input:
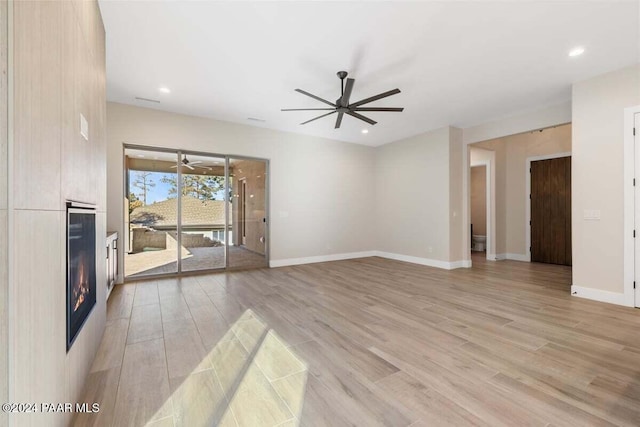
(365, 130)
(164, 89)
(576, 51)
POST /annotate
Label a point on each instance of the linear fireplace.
(81, 266)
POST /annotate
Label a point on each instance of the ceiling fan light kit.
(342, 105)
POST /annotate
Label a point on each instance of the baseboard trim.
(517, 257)
(599, 295)
(353, 255)
(513, 257)
(465, 263)
(425, 261)
(319, 258)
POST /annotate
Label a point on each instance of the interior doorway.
(550, 210)
(482, 177)
(480, 207)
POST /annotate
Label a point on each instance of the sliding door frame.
(267, 204)
(227, 187)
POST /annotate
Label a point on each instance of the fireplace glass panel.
(81, 269)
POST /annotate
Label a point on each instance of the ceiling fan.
(191, 165)
(342, 105)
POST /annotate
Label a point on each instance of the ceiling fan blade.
(319, 117)
(361, 117)
(344, 99)
(307, 109)
(339, 120)
(188, 166)
(196, 162)
(315, 97)
(397, 110)
(376, 97)
(174, 167)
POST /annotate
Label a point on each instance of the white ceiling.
(457, 63)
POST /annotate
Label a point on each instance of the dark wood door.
(551, 211)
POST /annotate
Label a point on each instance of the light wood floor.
(366, 342)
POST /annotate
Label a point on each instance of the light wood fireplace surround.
(54, 56)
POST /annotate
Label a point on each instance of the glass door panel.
(151, 213)
(203, 218)
(248, 223)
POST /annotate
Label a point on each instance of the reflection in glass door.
(203, 217)
(151, 213)
(248, 243)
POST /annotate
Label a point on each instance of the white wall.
(457, 175)
(538, 119)
(322, 192)
(413, 198)
(597, 179)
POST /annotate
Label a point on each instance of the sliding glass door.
(188, 211)
(151, 213)
(203, 217)
(248, 244)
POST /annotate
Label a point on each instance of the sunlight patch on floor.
(251, 378)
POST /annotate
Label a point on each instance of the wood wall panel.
(59, 72)
(4, 276)
(4, 315)
(37, 42)
(39, 319)
(4, 100)
(84, 80)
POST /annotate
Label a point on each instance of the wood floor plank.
(146, 293)
(432, 407)
(111, 348)
(359, 395)
(145, 324)
(121, 302)
(366, 342)
(143, 391)
(101, 388)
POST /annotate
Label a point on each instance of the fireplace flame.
(81, 285)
